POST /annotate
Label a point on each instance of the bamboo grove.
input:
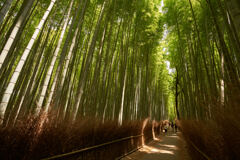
(204, 48)
(77, 58)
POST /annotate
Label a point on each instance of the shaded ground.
(167, 147)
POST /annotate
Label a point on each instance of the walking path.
(168, 147)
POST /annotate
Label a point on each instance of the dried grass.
(40, 137)
(218, 138)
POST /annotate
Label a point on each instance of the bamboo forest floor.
(166, 147)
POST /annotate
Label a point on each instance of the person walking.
(166, 127)
(175, 127)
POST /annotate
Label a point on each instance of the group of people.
(171, 124)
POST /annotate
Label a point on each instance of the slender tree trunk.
(50, 69)
(77, 20)
(120, 117)
(222, 81)
(13, 80)
(23, 14)
(86, 68)
(176, 96)
(4, 10)
(25, 79)
(201, 47)
(227, 58)
(234, 7)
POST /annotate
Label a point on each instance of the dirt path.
(168, 147)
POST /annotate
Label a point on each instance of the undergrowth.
(218, 138)
(41, 137)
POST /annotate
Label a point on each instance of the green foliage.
(199, 35)
(110, 63)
